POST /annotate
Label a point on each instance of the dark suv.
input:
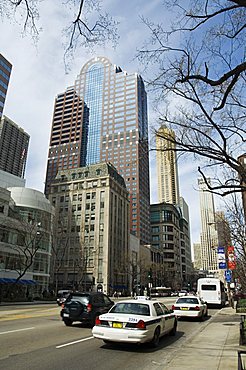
(85, 307)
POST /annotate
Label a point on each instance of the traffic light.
(150, 274)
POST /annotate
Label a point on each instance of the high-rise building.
(5, 71)
(167, 169)
(14, 143)
(209, 234)
(103, 117)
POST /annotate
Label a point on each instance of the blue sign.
(222, 265)
(228, 275)
(221, 250)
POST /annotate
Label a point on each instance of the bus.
(160, 292)
(212, 291)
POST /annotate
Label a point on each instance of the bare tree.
(87, 24)
(199, 67)
(23, 249)
(60, 246)
(235, 220)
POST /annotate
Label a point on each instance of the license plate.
(185, 308)
(65, 315)
(118, 325)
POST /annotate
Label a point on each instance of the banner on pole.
(231, 259)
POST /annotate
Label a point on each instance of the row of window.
(6, 66)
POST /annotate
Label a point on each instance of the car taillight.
(141, 325)
(97, 321)
(173, 307)
(62, 305)
(197, 308)
(89, 307)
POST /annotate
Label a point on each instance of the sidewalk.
(214, 347)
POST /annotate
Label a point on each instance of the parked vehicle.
(160, 292)
(62, 296)
(84, 307)
(135, 321)
(212, 291)
(190, 306)
(182, 292)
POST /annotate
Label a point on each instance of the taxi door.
(169, 318)
(161, 316)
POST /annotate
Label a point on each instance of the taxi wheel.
(156, 338)
(201, 318)
(174, 329)
(107, 341)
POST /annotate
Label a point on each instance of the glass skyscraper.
(106, 120)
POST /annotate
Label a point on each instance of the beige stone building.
(91, 242)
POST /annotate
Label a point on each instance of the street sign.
(228, 276)
(221, 250)
(222, 265)
(221, 258)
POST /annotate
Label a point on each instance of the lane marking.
(14, 331)
(75, 342)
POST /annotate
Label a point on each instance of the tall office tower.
(68, 135)
(167, 170)
(5, 71)
(209, 234)
(111, 126)
(14, 143)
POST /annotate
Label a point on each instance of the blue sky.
(38, 75)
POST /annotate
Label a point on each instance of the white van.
(212, 291)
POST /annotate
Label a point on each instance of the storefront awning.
(21, 281)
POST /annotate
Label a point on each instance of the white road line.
(77, 341)
(14, 331)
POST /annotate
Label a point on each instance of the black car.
(85, 307)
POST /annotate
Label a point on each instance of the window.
(158, 309)
(155, 229)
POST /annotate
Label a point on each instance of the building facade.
(209, 235)
(26, 219)
(170, 237)
(103, 118)
(14, 142)
(167, 168)
(91, 233)
(5, 72)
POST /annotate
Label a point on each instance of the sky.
(38, 75)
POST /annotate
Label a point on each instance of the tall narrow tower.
(167, 170)
(14, 142)
(5, 71)
(209, 234)
(105, 119)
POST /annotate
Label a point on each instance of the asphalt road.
(35, 338)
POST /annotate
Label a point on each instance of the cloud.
(38, 75)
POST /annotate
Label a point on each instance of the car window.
(131, 308)
(77, 298)
(188, 300)
(107, 301)
(164, 308)
(158, 309)
(98, 299)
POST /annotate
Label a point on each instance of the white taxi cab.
(190, 306)
(135, 321)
